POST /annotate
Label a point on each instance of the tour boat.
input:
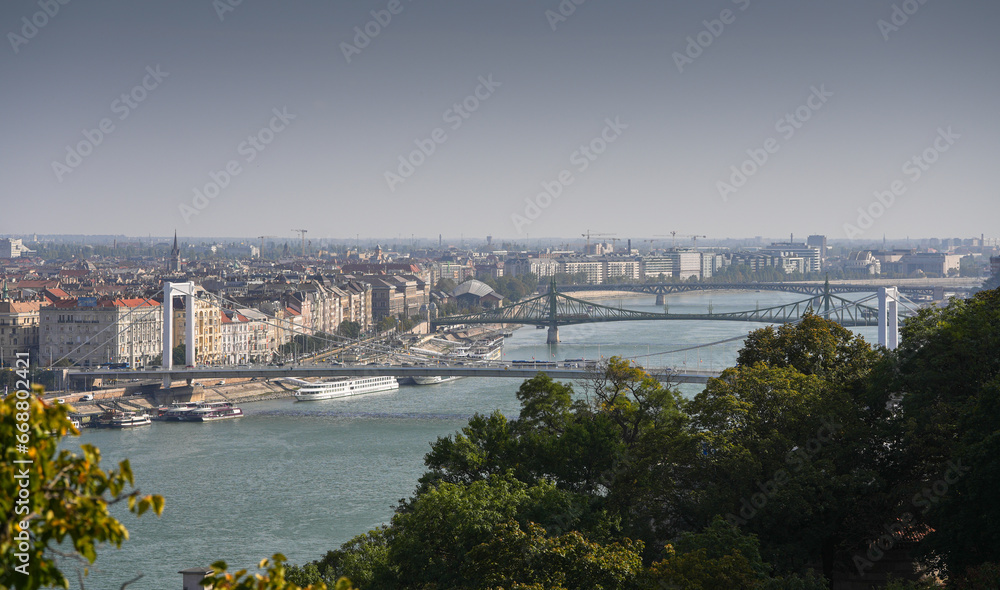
(433, 380)
(176, 411)
(344, 388)
(122, 419)
(209, 412)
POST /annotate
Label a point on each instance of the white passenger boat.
(176, 411)
(122, 419)
(210, 412)
(344, 388)
(433, 380)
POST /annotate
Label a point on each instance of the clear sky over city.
(518, 119)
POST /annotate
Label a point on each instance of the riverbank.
(240, 391)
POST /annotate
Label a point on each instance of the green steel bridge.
(554, 309)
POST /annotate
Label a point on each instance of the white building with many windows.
(88, 331)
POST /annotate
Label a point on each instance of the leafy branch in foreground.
(50, 496)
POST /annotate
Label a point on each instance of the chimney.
(193, 576)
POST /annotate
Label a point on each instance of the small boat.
(210, 412)
(176, 411)
(344, 388)
(121, 419)
(433, 380)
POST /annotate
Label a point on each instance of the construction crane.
(673, 238)
(302, 234)
(588, 235)
(262, 238)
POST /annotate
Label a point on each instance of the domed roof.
(472, 287)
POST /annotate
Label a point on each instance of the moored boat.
(434, 379)
(344, 388)
(210, 412)
(122, 419)
(176, 411)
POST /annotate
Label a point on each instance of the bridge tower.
(553, 335)
(187, 291)
(888, 317)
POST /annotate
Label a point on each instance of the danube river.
(302, 478)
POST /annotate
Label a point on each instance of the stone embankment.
(148, 398)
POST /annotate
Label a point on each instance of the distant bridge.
(299, 372)
(554, 309)
(933, 290)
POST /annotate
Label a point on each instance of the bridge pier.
(888, 317)
(553, 337)
(660, 299)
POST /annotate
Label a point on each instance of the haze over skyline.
(125, 118)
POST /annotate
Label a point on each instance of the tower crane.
(588, 235)
(302, 234)
(673, 238)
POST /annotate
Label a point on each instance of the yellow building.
(207, 329)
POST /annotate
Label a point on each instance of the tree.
(447, 535)
(273, 578)
(179, 354)
(387, 323)
(946, 376)
(721, 556)
(445, 284)
(795, 445)
(51, 496)
(349, 328)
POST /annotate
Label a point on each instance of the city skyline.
(516, 120)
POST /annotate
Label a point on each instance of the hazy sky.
(289, 115)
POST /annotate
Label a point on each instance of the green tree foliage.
(434, 536)
(794, 445)
(514, 557)
(60, 497)
(349, 328)
(947, 378)
(721, 556)
(273, 578)
(179, 354)
(387, 323)
(446, 285)
(607, 447)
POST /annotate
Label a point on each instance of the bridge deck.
(672, 375)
